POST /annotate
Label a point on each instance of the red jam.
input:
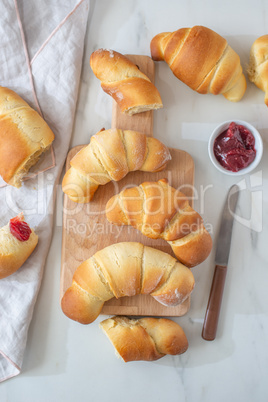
(235, 149)
(20, 229)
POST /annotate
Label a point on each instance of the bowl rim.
(258, 146)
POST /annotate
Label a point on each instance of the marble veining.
(234, 366)
(78, 360)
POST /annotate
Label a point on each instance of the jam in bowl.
(235, 147)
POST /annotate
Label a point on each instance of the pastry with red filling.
(17, 242)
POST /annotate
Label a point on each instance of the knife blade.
(221, 262)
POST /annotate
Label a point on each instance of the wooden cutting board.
(86, 229)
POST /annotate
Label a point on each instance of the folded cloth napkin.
(41, 54)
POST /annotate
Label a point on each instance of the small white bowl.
(258, 146)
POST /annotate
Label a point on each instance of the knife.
(221, 261)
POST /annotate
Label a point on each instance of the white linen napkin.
(41, 52)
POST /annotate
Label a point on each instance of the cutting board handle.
(141, 122)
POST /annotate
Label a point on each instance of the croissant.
(120, 78)
(258, 65)
(110, 155)
(201, 59)
(125, 269)
(160, 211)
(24, 136)
(17, 242)
(146, 339)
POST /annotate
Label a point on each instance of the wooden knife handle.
(214, 303)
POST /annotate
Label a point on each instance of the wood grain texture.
(86, 229)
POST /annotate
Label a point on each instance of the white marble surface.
(67, 361)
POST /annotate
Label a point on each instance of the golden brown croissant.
(24, 136)
(146, 339)
(130, 88)
(110, 155)
(201, 59)
(125, 269)
(160, 211)
(258, 65)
